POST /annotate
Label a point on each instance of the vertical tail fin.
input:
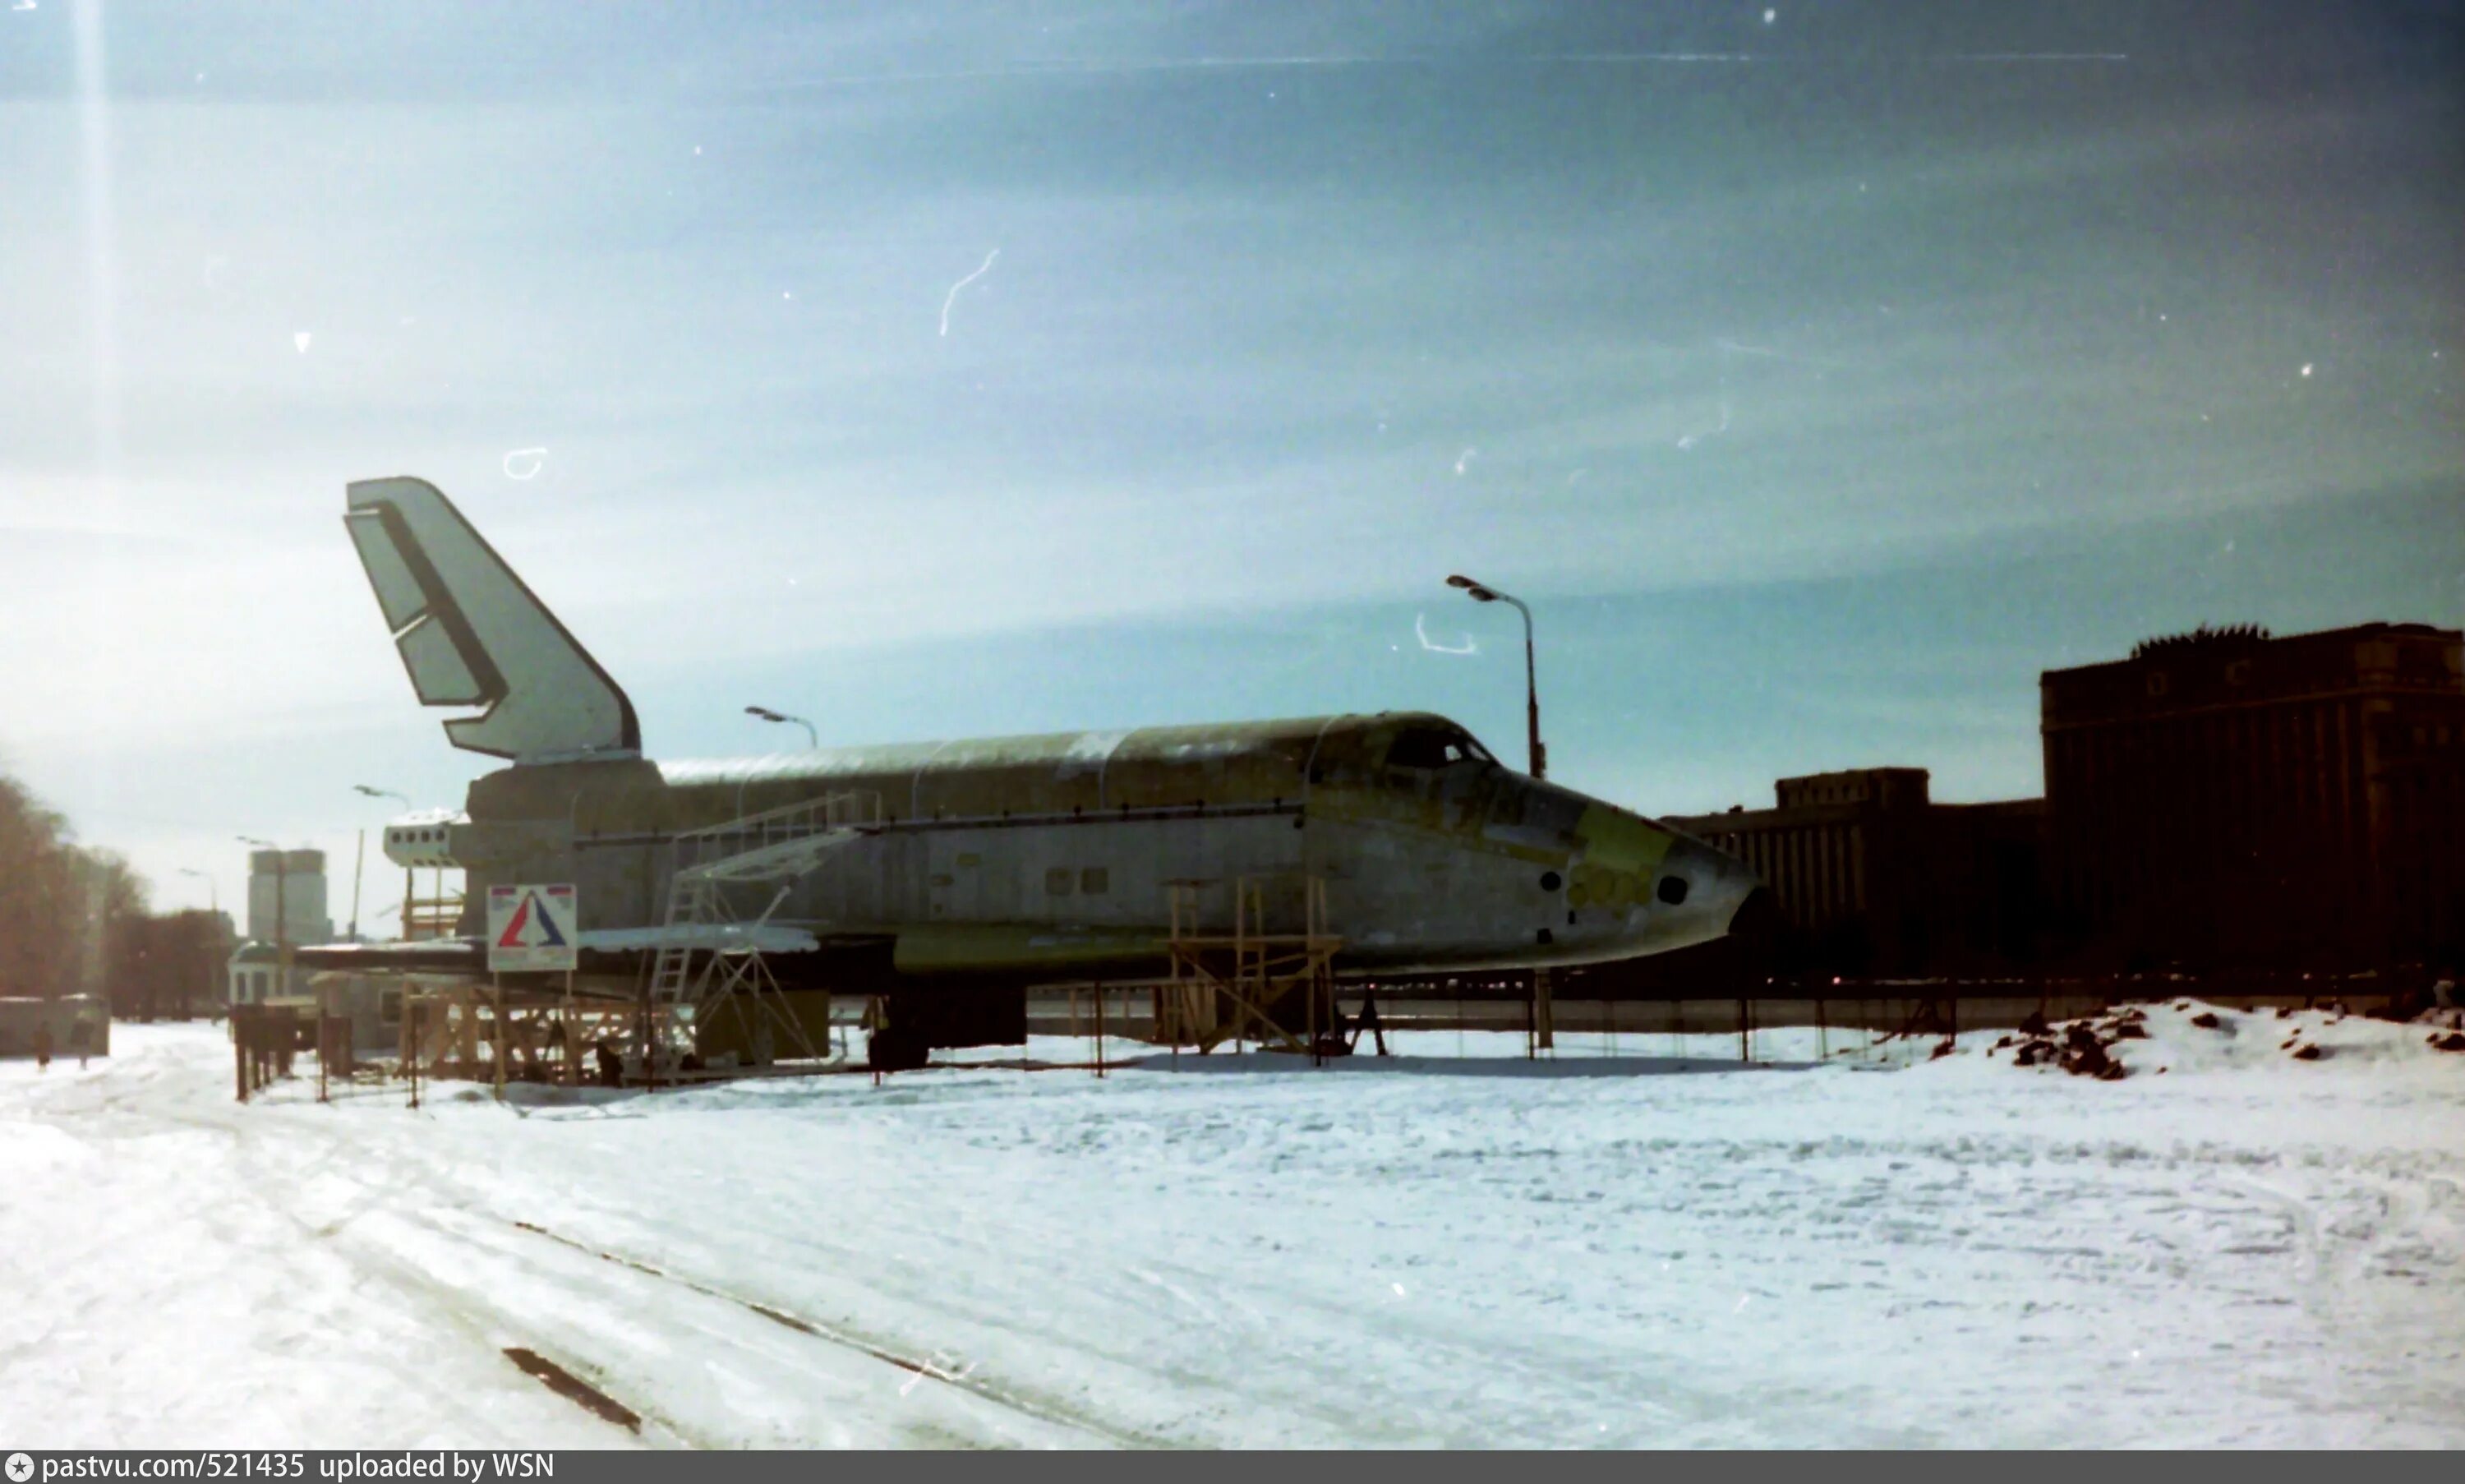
(472, 635)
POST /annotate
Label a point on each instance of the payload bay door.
(954, 879)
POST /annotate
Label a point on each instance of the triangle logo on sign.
(531, 927)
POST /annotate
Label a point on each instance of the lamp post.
(407, 890)
(1540, 1028)
(812, 738)
(1482, 593)
(360, 857)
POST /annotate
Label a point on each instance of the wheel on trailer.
(896, 1050)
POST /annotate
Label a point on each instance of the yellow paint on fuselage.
(1620, 856)
(1618, 842)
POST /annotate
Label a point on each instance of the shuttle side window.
(1095, 881)
(1056, 881)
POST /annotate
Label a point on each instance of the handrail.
(712, 846)
(859, 806)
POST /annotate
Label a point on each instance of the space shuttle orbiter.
(982, 866)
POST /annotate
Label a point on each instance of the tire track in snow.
(384, 1198)
(962, 1381)
(408, 1270)
(466, 1242)
(124, 1114)
(489, 1327)
(483, 1325)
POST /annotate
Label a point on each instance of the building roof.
(2244, 637)
(2241, 667)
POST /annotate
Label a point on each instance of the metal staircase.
(709, 958)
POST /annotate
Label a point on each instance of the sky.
(1819, 374)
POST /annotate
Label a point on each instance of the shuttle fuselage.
(1056, 854)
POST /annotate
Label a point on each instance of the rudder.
(472, 633)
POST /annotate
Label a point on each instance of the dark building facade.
(2227, 798)
(1871, 876)
(2422, 770)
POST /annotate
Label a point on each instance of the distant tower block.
(297, 879)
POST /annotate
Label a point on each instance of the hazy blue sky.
(1821, 373)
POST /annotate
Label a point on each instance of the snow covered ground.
(1444, 1250)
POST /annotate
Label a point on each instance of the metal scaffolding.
(711, 959)
(1231, 986)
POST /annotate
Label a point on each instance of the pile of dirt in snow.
(2443, 1030)
(2198, 1036)
(2079, 1047)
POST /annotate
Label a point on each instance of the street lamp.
(812, 738)
(213, 901)
(1541, 1032)
(360, 860)
(409, 873)
(1482, 593)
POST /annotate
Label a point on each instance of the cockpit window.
(1430, 747)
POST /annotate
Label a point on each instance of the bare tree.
(61, 905)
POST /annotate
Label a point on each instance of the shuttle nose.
(1662, 890)
(1712, 886)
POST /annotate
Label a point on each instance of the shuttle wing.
(469, 954)
(472, 633)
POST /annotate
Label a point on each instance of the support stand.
(497, 1033)
(1227, 988)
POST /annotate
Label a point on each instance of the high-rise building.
(297, 879)
(2225, 797)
